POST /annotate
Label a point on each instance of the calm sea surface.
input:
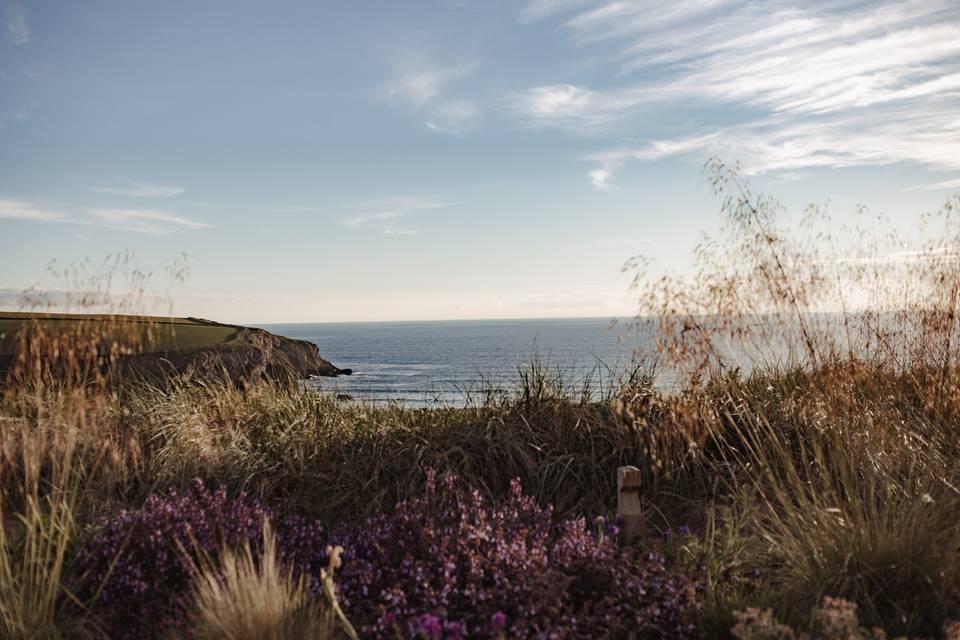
(452, 361)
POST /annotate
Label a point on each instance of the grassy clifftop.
(171, 334)
(76, 345)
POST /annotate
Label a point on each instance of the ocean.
(453, 362)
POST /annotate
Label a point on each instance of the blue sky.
(434, 159)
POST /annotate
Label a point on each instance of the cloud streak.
(943, 255)
(419, 84)
(539, 9)
(839, 84)
(141, 190)
(938, 186)
(150, 221)
(145, 220)
(364, 218)
(17, 210)
(383, 215)
(423, 88)
(453, 116)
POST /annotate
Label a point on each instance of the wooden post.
(628, 502)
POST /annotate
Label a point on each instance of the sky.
(444, 159)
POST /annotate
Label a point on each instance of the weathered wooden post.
(628, 502)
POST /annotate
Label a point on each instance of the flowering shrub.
(139, 565)
(445, 565)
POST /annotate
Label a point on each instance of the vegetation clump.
(137, 567)
(446, 564)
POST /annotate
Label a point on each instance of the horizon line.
(421, 320)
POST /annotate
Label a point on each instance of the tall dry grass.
(42, 482)
(63, 450)
(249, 596)
(830, 359)
(88, 350)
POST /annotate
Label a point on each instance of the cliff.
(254, 353)
(73, 345)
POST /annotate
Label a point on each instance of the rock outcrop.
(255, 353)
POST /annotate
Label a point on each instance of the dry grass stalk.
(248, 596)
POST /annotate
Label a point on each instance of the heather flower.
(472, 566)
(498, 621)
(445, 565)
(138, 565)
(454, 631)
(430, 626)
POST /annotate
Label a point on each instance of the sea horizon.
(450, 361)
(267, 325)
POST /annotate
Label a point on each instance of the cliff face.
(254, 354)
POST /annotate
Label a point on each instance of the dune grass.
(250, 596)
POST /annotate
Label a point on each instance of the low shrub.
(449, 564)
(137, 568)
(444, 565)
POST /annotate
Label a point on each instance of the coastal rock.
(256, 354)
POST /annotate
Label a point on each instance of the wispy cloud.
(400, 202)
(17, 26)
(453, 116)
(145, 220)
(540, 9)
(924, 135)
(423, 88)
(17, 210)
(608, 161)
(382, 215)
(832, 84)
(944, 254)
(937, 186)
(364, 218)
(566, 106)
(418, 83)
(139, 220)
(141, 190)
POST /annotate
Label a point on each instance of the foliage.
(442, 565)
(137, 567)
(249, 596)
(449, 564)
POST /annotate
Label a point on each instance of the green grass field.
(167, 334)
